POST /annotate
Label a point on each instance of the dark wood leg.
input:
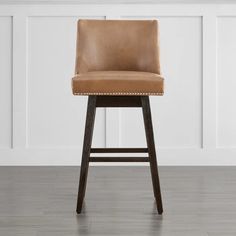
(90, 117)
(104, 101)
(152, 152)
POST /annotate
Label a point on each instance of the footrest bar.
(118, 150)
(119, 159)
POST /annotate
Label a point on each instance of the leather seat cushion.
(117, 83)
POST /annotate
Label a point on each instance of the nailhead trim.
(120, 93)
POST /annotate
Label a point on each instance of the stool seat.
(117, 83)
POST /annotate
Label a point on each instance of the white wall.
(42, 123)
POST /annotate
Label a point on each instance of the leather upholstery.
(117, 83)
(117, 57)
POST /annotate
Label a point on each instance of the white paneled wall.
(5, 81)
(226, 83)
(55, 117)
(42, 123)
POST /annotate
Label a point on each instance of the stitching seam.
(119, 93)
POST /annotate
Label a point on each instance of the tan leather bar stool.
(117, 65)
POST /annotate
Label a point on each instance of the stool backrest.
(117, 45)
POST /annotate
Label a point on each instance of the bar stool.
(117, 65)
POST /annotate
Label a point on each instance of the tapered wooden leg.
(88, 133)
(152, 152)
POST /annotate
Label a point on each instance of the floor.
(40, 201)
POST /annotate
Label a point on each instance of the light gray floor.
(198, 201)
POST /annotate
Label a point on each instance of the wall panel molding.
(209, 80)
(6, 139)
(226, 83)
(19, 72)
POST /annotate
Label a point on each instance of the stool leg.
(152, 152)
(90, 117)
